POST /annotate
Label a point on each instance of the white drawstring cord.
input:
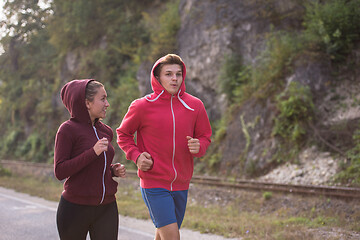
(178, 95)
(103, 177)
(153, 100)
(184, 103)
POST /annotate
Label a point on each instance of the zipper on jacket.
(103, 176)
(173, 155)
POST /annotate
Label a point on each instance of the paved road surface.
(32, 218)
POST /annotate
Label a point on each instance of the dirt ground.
(291, 204)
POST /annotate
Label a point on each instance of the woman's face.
(97, 108)
(171, 78)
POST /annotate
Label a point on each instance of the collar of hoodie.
(150, 99)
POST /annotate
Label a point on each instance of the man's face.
(171, 78)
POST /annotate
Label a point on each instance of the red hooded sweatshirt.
(88, 176)
(161, 122)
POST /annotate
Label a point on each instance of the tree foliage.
(334, 25)
(109, 38)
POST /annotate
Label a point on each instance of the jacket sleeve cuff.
(112, 170)
(200, 153)
(134, 155)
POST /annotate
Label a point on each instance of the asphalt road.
(32, 218)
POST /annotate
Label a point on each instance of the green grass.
(47, 188)
(231, 222)
(251, 216)
(130, 202)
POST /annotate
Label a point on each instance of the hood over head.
(155, 84)
(73, 97)
(159, 90)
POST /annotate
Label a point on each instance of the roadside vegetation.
(105, 40)
(230, 213)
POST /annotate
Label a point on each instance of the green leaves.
(350, 173)
(105, 40)
(234, 75)
(296, 110)
(334, 25)
(163, 30)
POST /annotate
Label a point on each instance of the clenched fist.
(193, 145)
(101, 146)
(119, 170)
(144, 161)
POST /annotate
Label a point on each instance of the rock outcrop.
(213, 29)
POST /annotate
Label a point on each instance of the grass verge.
(235, 214)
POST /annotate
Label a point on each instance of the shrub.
(233, 76)
(163, 30)
(9, 144)
(34, 148)
(267, 195)
(333, 26)
(240, 81)
(350, 173)
(296, 110)
(4, 171)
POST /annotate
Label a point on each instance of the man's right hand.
(144, 161)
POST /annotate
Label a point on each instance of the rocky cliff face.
(211, 30)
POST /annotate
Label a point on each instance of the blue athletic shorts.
(165, 207)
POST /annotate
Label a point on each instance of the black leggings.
(74, 221)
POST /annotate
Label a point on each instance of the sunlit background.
(2, 17)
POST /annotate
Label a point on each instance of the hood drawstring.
(103, 175)
(178, 95)
(184, 103)
(153, 100)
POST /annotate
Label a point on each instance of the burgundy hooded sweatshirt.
(161, 122)
(88, 176)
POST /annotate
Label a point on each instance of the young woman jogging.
(83, 157)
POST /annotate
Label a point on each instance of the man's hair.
(92, 89)
(168, 59)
